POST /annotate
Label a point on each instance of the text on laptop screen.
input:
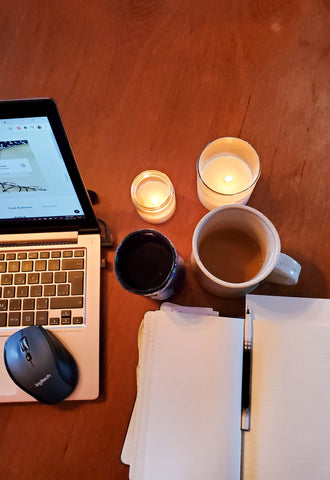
(34, 181)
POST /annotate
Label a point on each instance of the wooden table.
(145, 85)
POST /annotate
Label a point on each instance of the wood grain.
(146, 84)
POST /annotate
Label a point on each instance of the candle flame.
(228, 178)
(154, 200)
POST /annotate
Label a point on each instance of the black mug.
(146, 263)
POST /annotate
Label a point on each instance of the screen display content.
(34, 180)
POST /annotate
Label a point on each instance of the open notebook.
(187, 415)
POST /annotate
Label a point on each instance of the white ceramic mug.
(276, 267)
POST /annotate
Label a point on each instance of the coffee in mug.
(240, 258)
(236, 247)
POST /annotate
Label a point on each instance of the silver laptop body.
(49, 242)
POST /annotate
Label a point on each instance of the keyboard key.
(9, 292)
(27, 319)
(46, 277)
(76, 279)
(42, 303)
(14, 319)
(33, 254)
(3, 305)
(42, 318)
(53, 265)
(22, 291)
(49, 290)
(10, 256)
(6, 279)
(44, 254)
(19, 279)
(60, 277)
(65, 320)
(63, 289)
(72, 263)
(13, 266)
(27, 266)
(77, 320)
(54, 321)
(3, 319)
(40, 265)
(21, 256)
(28, 304)
(66, 302)
(36, 291)
(33, 278)
(3, 267)
(15, 304)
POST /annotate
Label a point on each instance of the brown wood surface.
(146, 84)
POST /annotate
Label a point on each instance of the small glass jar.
(153, 196)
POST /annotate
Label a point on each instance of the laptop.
(49, 242)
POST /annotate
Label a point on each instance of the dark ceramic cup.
(146, 263)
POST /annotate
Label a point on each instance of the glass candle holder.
(153, 196)
(227, 172)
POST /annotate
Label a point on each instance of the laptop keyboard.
(42, 287)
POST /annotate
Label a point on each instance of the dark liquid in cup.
(231, 255)
(145, 263)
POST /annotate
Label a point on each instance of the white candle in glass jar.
(153, 195)
(227, 171)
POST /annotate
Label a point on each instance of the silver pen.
(247, 371)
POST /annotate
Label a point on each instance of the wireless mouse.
(39, 364)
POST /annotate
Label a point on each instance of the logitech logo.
(43, 380)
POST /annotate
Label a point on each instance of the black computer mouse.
(39, 364)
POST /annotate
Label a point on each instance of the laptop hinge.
(38, 239)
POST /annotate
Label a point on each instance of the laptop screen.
(39, 181)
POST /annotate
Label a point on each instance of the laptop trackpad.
(7, 386)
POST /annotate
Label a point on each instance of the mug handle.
(286, 271)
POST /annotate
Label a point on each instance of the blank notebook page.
(188, 424)
(290, 417)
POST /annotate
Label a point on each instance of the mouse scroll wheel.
(24, 344)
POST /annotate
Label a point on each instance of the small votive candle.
(153, 195)
(227, 172)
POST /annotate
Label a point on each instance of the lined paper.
(290, 417)
(187, 413)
